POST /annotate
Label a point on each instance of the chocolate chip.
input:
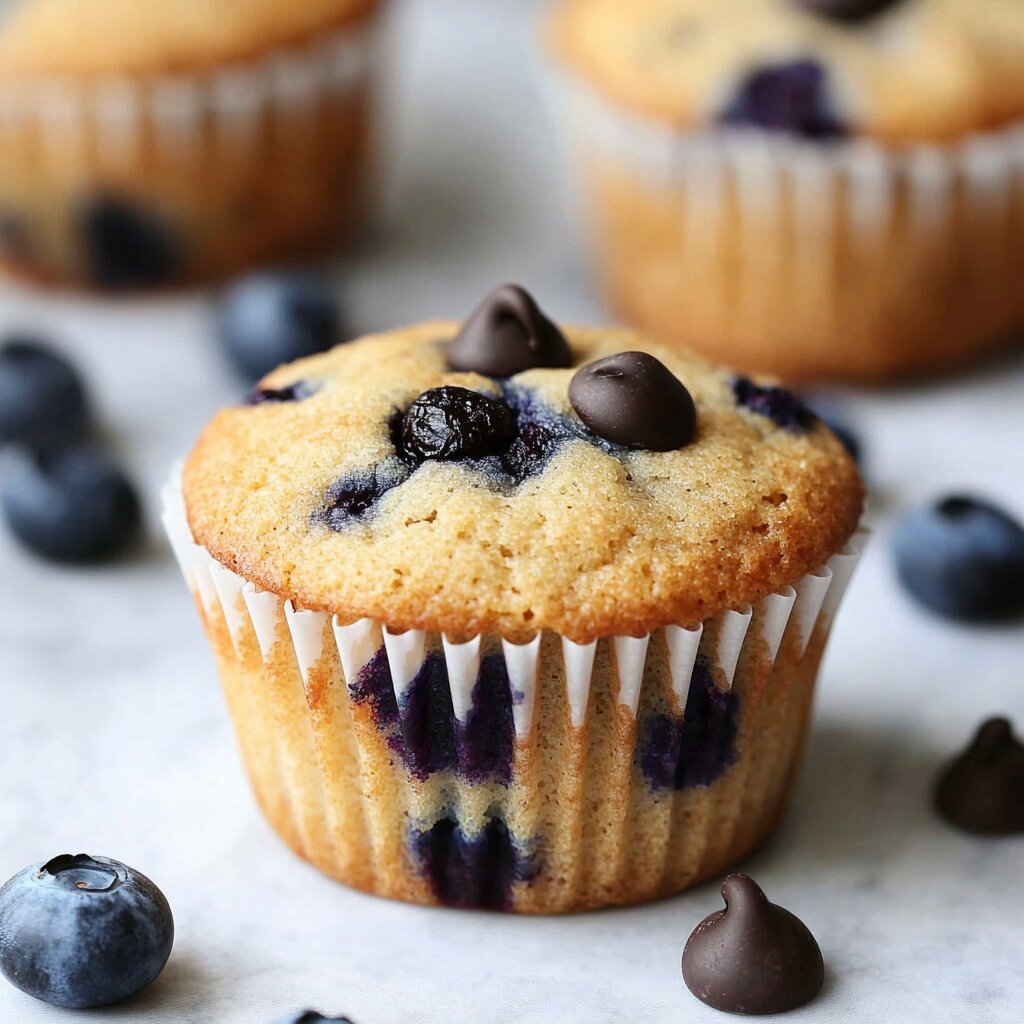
(847, 10)
(983, 789)
(507, 334)
(634, 400)
(455, 423)
(753, 957)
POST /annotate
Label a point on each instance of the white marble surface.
(114, 737)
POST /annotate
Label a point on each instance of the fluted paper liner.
(596, 830)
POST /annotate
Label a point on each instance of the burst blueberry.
(81, 932)
(69, 505)
(268, 319)
(456, 423)
(129, 246)
(42, 397)
(792, 98)
(473, 870)
(354, 498)
(962, 558)
(780, 405)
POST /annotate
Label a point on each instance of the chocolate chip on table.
(847, 10)
(456, 423)
(507, 334)
(982, 790)
(753, 957)
(634, 400)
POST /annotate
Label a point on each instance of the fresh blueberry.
(962, 558)
(296, 392)
(792, 98)
(69, 505)
(272, 318)
(781, 406)
(42, 398)
(456, 423)
(81, 932)
(311, 1017)
(128, 246)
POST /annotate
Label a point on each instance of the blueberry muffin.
(516, 617)
(146, 145)
(814, 188)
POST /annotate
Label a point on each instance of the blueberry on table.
(311, 1017)
(42, 398)
(69, 505)
(81, 931)
(962, 558)
(268, 319)
(128, 245)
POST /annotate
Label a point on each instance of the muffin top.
(387, 479)
(897, 70)
(83, 38)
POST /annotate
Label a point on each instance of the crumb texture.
(563, 533)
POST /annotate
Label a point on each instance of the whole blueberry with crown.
(523, 576)
(82, 932)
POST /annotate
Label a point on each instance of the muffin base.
(805, 261)
(604, 774)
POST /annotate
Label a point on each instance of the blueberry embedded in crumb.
(780, 405)
(268, 319)
(354, 497)
(962, 558)
(311, 1017)
(42, 397)
(82, 932)
(297, 392)
(69, 505)
(456, 423)
(792, 98)
(473, 871)
(697, 748)
(129, 246)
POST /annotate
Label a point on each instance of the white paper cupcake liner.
(987, 167)
(796, 612)
(177, 110)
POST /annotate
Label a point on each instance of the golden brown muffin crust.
(86, 38)
(922, 70)
(595, 545)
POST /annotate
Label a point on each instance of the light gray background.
(114, 737)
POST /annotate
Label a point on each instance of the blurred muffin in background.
(147, 144)
(813, 188)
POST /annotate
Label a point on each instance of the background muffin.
(514, 658)
(809, 187)
(146, 144)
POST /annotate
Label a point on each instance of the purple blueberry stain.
(697, 748)
(422, 728)
(791, 97)
(539, 433)
(780, 405)
(473, 872)
(295, 392)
